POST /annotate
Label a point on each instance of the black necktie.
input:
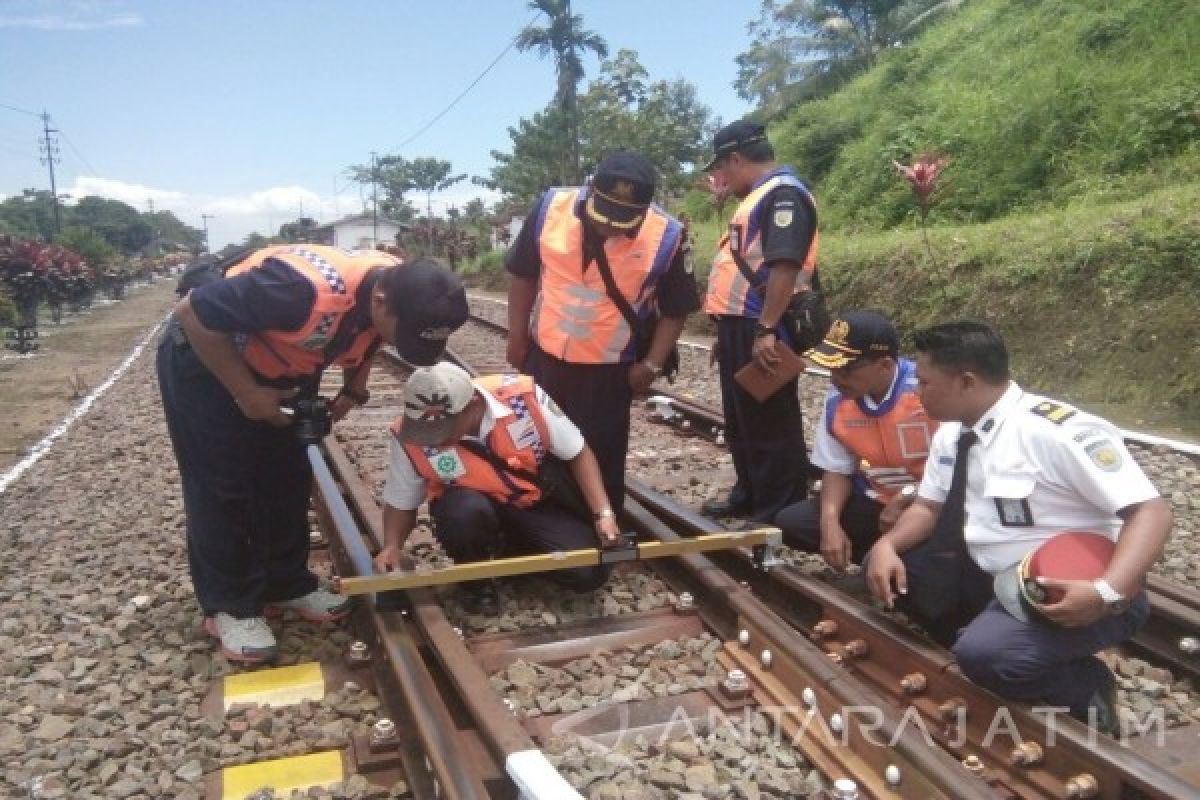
(949, 525)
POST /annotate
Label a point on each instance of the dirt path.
(76, 356)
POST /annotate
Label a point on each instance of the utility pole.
(205, 218)
(374, 201)
(50, 158)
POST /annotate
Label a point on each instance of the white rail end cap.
(537, 779)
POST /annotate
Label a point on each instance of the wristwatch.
(1113, 601)
(761, 330)
(605, 513)
(360, 398)
(909, 491)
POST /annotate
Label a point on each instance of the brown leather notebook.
(760, 384)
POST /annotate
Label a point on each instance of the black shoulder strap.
(614, 294)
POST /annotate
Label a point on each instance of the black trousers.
(765, 439)
(946, 588)
(246, 486)
(473, 527)
(596, 397)
(801, 524)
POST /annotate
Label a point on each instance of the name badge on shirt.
(523, 432)
(1014, 512)
(448, 465)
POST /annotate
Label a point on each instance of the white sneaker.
(319, 605)
(249, 641)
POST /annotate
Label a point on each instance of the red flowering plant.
(922, 177)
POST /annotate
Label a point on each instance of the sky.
(250, 111)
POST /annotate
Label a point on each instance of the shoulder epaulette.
(1055, 412)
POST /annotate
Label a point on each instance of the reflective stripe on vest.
(518, 440)
(728, 291)
(573, 318)
(335, 275)
(891, 441)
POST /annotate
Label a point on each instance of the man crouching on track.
(479, 452)
(1023, 469)
(239, 348)
(872, 442)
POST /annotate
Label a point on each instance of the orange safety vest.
(335, 275)
(891, 441)
(519, 441)
(729, 293)
(573, 318)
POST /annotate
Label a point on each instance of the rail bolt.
(844, 789)
(1189, 645)
(358, 654)
(952, 709)
(685, 602)
(720, 438)
(808, 697)
(913, 683)
(1027, 754)
(1083, 786)
(686, 425)
(383, 733)
(736, 684)
(824, 629)
(892, 775)
(836, 723)
(765, 658)
(315, 537)
(744, 637)
(857, 648)
(836, 658)
(973, 763)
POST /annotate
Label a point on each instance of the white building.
(360, 232)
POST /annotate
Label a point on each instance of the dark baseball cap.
(432, 305)
(1068, 556)
(622, 190)
(853, 336)
(733, 137)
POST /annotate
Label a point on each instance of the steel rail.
(420, 704)
(509, 746)
(888, 655)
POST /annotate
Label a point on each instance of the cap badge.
(437, 333)
(838, 332)
(623, 191)
(436, 406)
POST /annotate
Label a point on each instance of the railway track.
(656, 688)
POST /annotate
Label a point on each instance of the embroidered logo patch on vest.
(782, 217)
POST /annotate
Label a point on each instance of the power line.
(470, 86)
(20, 110)
(78, 154)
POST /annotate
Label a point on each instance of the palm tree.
(566, 40)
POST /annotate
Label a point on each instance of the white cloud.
(277, 200)
(134, 194)
(74, 15)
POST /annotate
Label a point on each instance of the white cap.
(433, 398)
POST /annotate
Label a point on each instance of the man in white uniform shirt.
(479, 452)
(1034, 468)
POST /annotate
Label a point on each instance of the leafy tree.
(90, 245)
(391, 175)
(119, 223)
(805, 48)
(29, 214)
(621, 110)
(565, 40)
(302, 230)
(429, 175)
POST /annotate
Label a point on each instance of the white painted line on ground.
(1147, 439)
(41, 448)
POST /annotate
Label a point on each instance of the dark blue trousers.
(245, 492)
(1039, 662)
(596, 397)
(472, 527)
(801, 524)
(765, 439)
(951, 597)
